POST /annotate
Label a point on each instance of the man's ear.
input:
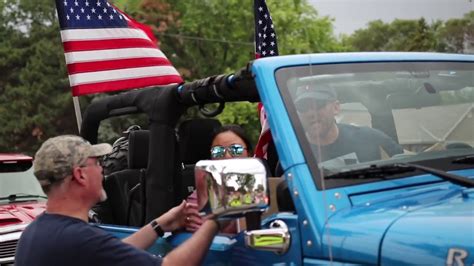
(78, 176)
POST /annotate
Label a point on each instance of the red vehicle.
(21, 200)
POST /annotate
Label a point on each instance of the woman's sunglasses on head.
(235, 150)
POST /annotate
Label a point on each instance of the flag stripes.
(105, 50)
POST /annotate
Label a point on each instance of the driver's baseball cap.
(319, 94)
(322, 93)
(57, 157)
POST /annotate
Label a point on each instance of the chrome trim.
(9, 237)
(8, 244)
(277, 238)
(12, 228)
(230, 188)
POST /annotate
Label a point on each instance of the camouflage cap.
(57, 156)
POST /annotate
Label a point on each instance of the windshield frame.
(283, 74)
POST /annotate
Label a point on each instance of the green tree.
(204, 38)
(399, 35)
(35, 100)
(453, 35)
(457, 35)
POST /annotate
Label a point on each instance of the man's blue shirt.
(54, 239)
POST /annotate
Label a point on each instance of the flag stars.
(71, 10)
(111, 17)
(272, 52)
(120, 17)
(82, 10)
(273, 35)
(77, 17)
(260, 9)
(76, 3)
(99, 17)
(98, 3)
(88, 17)
(260, 22)
(264, 36)
(104, 10)
(65, 3)
(272, 43)
(93, 10)
(87, 3)
(68, 17)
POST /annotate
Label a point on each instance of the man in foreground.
(69, 172)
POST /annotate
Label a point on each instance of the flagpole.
(77, 110)
(255, 29)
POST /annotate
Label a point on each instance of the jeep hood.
(424, 223)
(17, 213)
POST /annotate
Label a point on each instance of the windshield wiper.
(14, 197)
(469, 159)
(383, 171)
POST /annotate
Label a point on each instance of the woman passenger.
(229, 141)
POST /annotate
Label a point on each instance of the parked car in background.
(21, 200)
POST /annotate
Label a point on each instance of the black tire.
(117, 159)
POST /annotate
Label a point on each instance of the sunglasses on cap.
(304, 105)
(235, 150)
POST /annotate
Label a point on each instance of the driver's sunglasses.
(235, 150)
(304, 105)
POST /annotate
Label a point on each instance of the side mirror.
(231, 188)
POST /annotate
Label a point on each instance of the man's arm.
(195, 248)
(170, 221)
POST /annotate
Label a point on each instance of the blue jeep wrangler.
(397, 190)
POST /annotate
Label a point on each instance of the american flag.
(106, 50)
(265, 45)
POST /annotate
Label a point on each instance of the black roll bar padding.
(163, 110)
(159, 103)
(161, 172)
(164, 105)
(228, 88)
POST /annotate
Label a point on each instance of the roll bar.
(164, 105)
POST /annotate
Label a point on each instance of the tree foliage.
(35, 101)
(201, 38)
(204, 38)
(454, 35)
(457, 35)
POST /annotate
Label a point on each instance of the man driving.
(338, 143)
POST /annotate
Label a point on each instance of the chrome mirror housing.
(230, 188)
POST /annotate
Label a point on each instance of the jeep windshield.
(353, 116)
(18, 183)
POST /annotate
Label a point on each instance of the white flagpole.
(77, 110)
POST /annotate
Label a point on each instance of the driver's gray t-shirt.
(358, 144)
(54, 239)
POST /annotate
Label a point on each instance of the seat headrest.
(195, 137)
(138, 142)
